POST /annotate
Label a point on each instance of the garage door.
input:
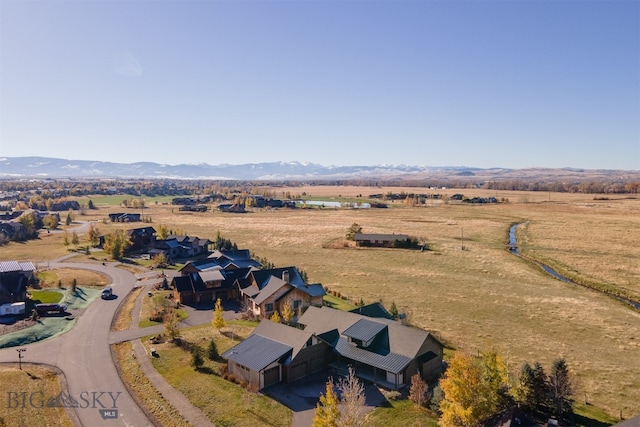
(271, 376)
(297, 371)
(186, 298)
(316, 364)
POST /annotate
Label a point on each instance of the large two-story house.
(379, 349)
(266, 291)
(14, 278)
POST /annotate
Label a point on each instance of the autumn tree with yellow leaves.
(474, 388)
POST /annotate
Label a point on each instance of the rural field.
(465, 297)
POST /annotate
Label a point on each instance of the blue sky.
(441, 83)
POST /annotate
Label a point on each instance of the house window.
(268, 307)
(296, 304)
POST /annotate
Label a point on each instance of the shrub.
(222, 370)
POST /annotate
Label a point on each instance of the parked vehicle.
(107, 293)
(44, 309)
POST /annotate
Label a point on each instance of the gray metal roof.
(287, 335)
(9, 266)
(403, 340)
(391, 362)
(211, 276)
(257, 352)
(364, 330)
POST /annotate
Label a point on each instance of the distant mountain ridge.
(47, 167)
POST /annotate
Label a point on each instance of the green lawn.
(46, 297)
(337, 303)
(590, 416)
(225, 403)
(401, 413)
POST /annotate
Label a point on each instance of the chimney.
(285, 275)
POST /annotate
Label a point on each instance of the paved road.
(84, 356)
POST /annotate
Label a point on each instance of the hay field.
(481, 293)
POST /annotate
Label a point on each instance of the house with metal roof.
(275, 352)
(380, 350)
(14, 278)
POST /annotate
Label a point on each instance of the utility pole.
(20, 356)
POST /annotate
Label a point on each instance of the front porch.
(364, 372)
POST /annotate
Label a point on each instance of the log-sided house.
(265, 291)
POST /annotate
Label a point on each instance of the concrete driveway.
(302, 396)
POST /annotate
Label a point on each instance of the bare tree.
(352, 399)
(418, 390)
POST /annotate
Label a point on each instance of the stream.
(513, 248)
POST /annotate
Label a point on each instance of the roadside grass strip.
(144, 392)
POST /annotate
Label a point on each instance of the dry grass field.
(465, 297)
(38, 382)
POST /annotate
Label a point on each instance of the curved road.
(83, 354)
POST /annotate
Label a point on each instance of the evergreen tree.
(212, 350)
(540, 391)
(197, 359)
(523, 391)
(393, 310)
(560, 387)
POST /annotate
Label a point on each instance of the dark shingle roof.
(373, 310)
(182, 283)
(380, 237)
